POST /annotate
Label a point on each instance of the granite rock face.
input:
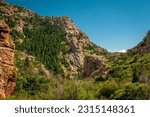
(7, 78)
(76, 40)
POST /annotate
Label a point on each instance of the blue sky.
(112, 24)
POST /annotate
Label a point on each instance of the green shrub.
(11, 22)
(144, 74)
(100, 79)
(3, 4)
(108, 88)
(87, 90)
(133, 91)
(136, 77)
(122, 72)
(144, 59)
(31, 85)
(70, 90)
(16, 35)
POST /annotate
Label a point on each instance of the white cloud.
(123, 51)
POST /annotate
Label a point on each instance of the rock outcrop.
(7, 78)
(9, 10)
(95, 66)
(77, 41)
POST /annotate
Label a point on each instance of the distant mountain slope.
(143, 47)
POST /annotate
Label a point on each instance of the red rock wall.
(7, 79)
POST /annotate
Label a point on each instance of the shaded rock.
(95, 66)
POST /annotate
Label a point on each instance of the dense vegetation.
(39, 38)
(121, 84)
(126, 81)
(43, 42)
(31, 87)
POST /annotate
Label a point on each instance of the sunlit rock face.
(7, 78)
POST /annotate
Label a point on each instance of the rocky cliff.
(75, 39)
(79, 53)
(7, 78)
(76, 43)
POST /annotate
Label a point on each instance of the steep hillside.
(55, 41)
(133, 65)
